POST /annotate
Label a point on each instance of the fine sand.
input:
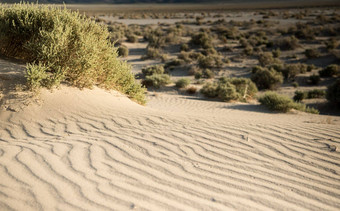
(97, 150)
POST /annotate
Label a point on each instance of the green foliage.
(299, 96)
(333, 93)
(154, 69)
(276, 53)
(329, 71)
(315, 93)
(265, 78)
(227, 89)
(182, 83)
(282, 103)
(209, 61)
(288, 43)
(132, 38)
(65, 45)
(156, 80)
(152, 53)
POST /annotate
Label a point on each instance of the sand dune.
(97, 150)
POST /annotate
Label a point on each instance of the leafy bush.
(316, 93)
(154, 69)
(288, 43)
(65, 45)
(312, 53)
(227, 89)
(282, 103)
(266, 59)
(299, 96)
(132, 38)
(123, 51)
(265, 78)
(156, 80)
(333, 93)
(276, 53)
(182, 83)
(209, 61)
(329, 71)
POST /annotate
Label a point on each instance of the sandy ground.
(97, 150)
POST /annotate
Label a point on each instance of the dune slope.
(96, 150)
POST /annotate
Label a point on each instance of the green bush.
(282, 103)
(154, 69)
(316, 93)
(209, 61)
(123, 51)
(288, 43)
(156, 80)
(182, 83)
(227, 89)
(151, 53)
(329, 71)
(65, 45)
(333, 93)
(132, 38)
(276, 53)
(266, 59)
(265, 78)
(299, 96)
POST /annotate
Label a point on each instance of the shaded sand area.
(97, 150)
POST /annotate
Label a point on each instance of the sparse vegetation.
(182, 83)
(154, 69)
(156, 80)
(265, 78)
(329, 71)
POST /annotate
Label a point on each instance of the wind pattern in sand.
(200, 156)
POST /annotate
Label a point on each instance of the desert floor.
(96, 150)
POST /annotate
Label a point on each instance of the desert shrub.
(265, 78)
(182, 83)
(174, 63)
(248, 50)
(209, 51)
(314, 79)
(156, 80)
(184, 47)
(266, 59)
(154, 69)
(36, 75)
(276, 53)
(312, 53)
(290, 71)
(288, 43)
(202, 39)
(209, 61)
(132, 38)
(207, 73)
(299, 96)
(329, 71)
(333, 93)
(123, 51)
(332, 43)
(282, 103)
(75, 49)
(227, 89)
(184, 56)
(310, 67)
(191, 90)
(152, 53)
(316, 93)
(295, 84)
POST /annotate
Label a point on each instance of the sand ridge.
(97, 150)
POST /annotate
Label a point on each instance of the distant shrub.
(209, 61)
(182, 83)
(276, 53)
(281, 103)
(191, 90)
(248, 50)
(290, 71)
(295, 84)
(154, 69)
(65, 45)
(299, 96)
(185, 47)
(174, 63)
(202, 39)
(132, 38)
(227, 89)
(310, 67)
(312, 53)
(314, 79)
(123, 51)
(156, 80)
(332, 43)
(316, 93)
(288, 43)
(152, 53)
(267, 59)
(184, 56)
(333, 93)
(265, 78)
(329, 71)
